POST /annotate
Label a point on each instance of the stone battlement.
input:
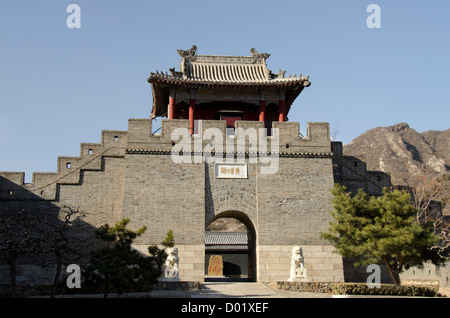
(43, 185)
(139, 139)
(213, 134)
(352, 172)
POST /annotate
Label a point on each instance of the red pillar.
(191, 115)
(262, 109)
(282, 108)
(282, 111)
(171, 107)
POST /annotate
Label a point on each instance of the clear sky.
(60, 87)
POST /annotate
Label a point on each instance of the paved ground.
(211, 290)
(234, 290)
(225, 290)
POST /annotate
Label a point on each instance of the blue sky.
(60, 87)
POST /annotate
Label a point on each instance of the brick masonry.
(132, 174)
(321, 262)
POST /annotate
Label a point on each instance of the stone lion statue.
(297, 264)
(171, 270)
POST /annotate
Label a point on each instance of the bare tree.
(39, 240)
(334, 133)
(19, 237)
(59, 243)
(429, 197)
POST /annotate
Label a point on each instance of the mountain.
(227, 225)
(397, 150)
(403, 152)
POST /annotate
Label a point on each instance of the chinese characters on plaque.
(231, 171)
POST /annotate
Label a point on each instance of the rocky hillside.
(227, 225)
(403, 152)
(397, 150)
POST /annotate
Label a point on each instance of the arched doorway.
(239, 261)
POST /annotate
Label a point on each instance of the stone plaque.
(215, 267)
(231, 170)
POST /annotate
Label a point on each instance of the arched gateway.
(237, 248)
(225, 149)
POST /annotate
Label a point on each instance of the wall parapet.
(140, 140)
(213, 135)
(44, 184)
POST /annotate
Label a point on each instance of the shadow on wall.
(30, 237)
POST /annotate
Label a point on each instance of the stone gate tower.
(229, 107)
(225, 149)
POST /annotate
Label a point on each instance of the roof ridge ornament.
(186, 56)
(258, 57)
(175, 73)
(278, 75)
(188, 53)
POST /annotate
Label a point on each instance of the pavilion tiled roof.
(226, 70)
(222, 72)
(218, 71)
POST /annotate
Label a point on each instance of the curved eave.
(161, 85)
(195, 83)
(160, 101)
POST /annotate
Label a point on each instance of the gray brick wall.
(165, 196)
(132, 174)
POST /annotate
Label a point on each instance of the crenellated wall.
(68, 170)
(136, 174)
(352, 172)
(316, 142)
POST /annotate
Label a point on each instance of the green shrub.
(384, 290)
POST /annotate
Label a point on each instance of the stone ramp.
(235, 289)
